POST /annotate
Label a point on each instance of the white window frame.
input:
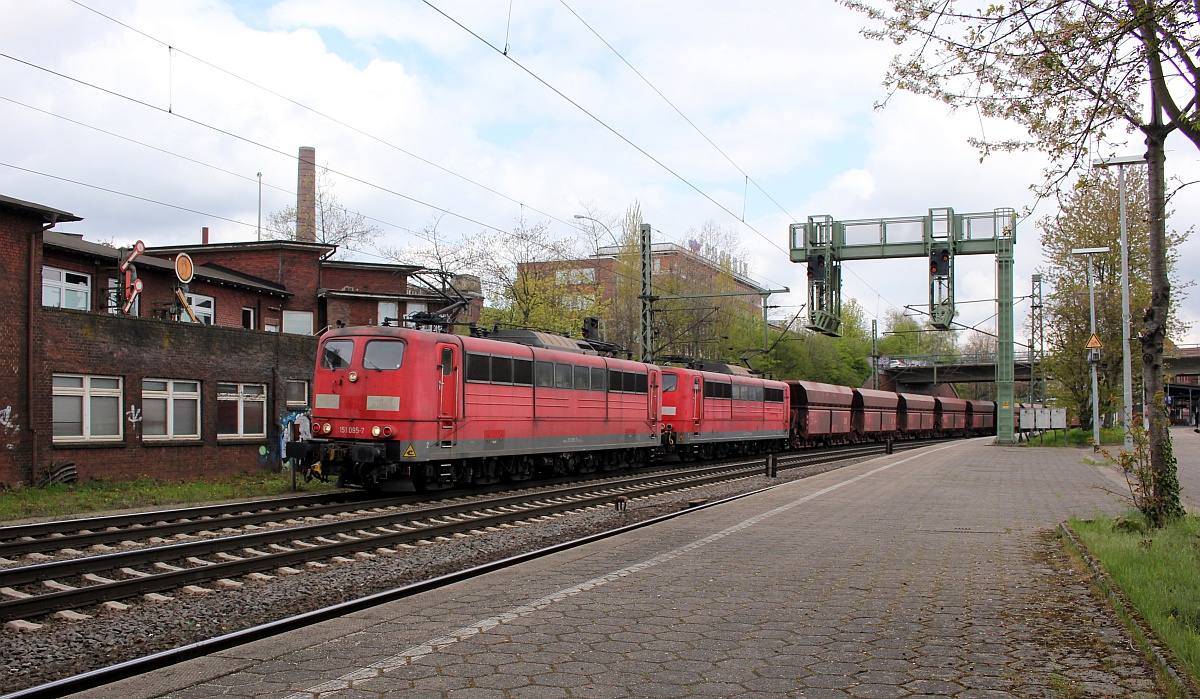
(86, 393)
(204, 316)
(242, 398)
(253, 318)
(298, 322)
(63, 286)
(293, 403)
(173, 393)
(387, 309)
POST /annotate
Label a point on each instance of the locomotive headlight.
(387, 431)
(327, 428)
(353, 376)
(376, 431)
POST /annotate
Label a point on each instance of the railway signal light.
(816, 267)
(591, 328)
(939, 262)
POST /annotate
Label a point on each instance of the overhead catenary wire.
(602, 123)
(323, 115)
(748, 178)
(173, 50)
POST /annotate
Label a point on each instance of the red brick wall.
(298, 270)
(365, 280)
(18, 235)
(135, 349)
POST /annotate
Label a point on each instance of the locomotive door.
(447, 393)
(654, 394)
(697, 404)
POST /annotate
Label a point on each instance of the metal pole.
(260, 207)
(647, 309)
(1095, 382)
(875, 354)
(764, 298)
(1126, 367)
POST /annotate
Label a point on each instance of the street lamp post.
(581, 217)
(1126, 366)
(1093, 359)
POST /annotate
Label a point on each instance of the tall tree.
(1071, 72)
(1089, 218)
(336, 225)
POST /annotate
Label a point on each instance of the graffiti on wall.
(12, 430)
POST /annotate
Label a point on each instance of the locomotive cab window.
(670, 381)
(384, 355)
(337, 354)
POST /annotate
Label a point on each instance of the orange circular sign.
(184, 269)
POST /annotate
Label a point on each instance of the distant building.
(149, 392)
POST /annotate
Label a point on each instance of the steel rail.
(174, 656)
(139, 666)
(57, 535)
(494, 513)
(127, 520)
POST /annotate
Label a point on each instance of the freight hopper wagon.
(916, 415)
(398, 409)
(874, 414)
(707, 413)
(820, 413)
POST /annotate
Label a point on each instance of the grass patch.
(1159, 572)
(62, 500)
(1076, 437)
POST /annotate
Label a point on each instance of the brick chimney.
(204, 235)
(306, 196)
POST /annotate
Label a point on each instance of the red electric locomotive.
(398, 409)
(721, 411)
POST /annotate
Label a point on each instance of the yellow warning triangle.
(410, 452)
(1093, 343)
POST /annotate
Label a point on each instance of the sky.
(153, 119)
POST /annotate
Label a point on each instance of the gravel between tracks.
(61, 649)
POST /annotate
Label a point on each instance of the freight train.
(398, 410)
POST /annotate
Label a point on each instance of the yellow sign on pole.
(1093, 343)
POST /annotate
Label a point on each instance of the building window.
(271, 327)
(415, 307)
(203, 307)
(297, 394)
(64, 289)
(170, 409)
(298, 322)
(389, 313)
(86, 408)
(241, 410)
(248, 318)
(582, 275)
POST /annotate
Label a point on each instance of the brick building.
(150, 392)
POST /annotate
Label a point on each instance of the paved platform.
(927, 573)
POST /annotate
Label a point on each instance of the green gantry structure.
(941, 235)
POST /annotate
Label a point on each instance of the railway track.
(168, 644)
(40, 541)
(31, 591)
